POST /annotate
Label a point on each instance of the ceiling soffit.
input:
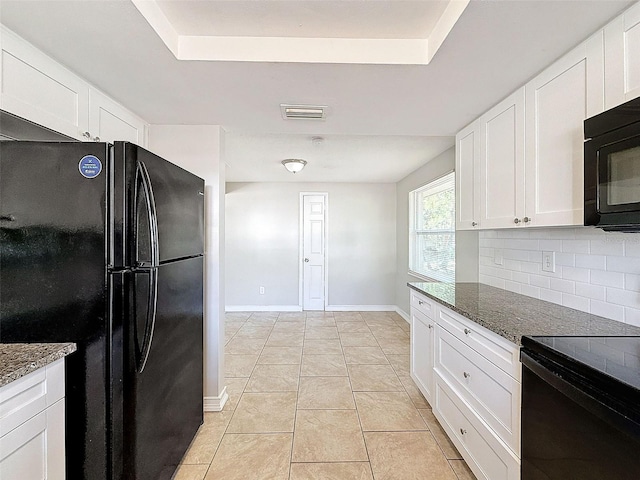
(400, 47)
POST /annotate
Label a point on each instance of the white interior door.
(313, 251)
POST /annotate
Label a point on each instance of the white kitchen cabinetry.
(467, 178)
(423, 329)
(35, 87)
(557, 103)
(622, 58)
(471, 378)
(502, 164)
(521, 163)
(32, 412)
(486, 454)
(109, 121)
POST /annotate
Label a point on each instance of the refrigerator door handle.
(143, 174)
(151, 321)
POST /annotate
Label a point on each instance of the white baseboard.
(403, 314)
(263, 308)
(216, 404)
(360, 308)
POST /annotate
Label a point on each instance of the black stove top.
(606, 360)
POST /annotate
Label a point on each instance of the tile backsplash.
(595, 271)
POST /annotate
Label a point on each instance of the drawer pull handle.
(430, 326)
(463, 431)
(467, 331)
(466, 374)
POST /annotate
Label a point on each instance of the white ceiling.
(372, 32)
(309, 19)
(494, 47)
(337, 158)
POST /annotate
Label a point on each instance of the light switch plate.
(548, 261)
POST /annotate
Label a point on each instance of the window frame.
(434, 186)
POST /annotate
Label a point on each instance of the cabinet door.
(35, 449)
(502, 163)
(622, 58)
(557, 103)
(422, 355)
(109, 121)
(467, 179)
(42, 91)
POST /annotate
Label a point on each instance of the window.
(432, 230)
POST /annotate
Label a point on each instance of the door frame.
(301, 249)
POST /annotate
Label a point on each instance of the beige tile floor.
(320, 395)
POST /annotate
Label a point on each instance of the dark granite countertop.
(513, 316)
(20, 359)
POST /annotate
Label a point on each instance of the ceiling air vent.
(303, 112)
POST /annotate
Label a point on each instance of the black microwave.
(612, 168)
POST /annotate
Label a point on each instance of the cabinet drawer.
(423, 304)
(486, 455)
(493, 394)
(498, 350)
(31, 394)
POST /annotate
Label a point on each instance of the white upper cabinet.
(622, 58)
(557, 103)
(502, 164)
(35, 87)
(467, 177)
(109, 121)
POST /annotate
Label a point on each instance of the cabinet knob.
(526, 219)
(96, 139)
(467, 331)
(466, 374)
(463, 431)
(420, 302)
(430, 326)
(86, 135)
(474, 224)
(516, 221)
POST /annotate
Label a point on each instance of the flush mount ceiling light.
(294, 165)
(303, 112)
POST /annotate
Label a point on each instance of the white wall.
(466, 242)
(200, 149)
(262, 244)
(596, 271)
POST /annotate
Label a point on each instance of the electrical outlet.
(498, 257)
(261, 290)
(548, 261)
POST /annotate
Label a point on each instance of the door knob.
(306, 260)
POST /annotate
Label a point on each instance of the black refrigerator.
(102, 245)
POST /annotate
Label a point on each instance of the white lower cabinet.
(32, 416)
(422, 354)
(493, 394)
(471, 378)
(486, 455)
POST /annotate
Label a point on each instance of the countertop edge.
(20, 359)
(516, 339)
